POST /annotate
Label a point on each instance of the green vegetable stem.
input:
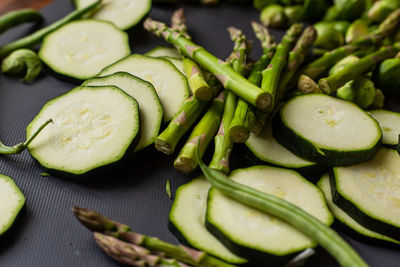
(22, 146)
(22, 62)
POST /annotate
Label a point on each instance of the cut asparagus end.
(264, 101)
(204, 93)
(239, 133)
(185, 164)
(164, 147)
(325, 87)
(307, 85)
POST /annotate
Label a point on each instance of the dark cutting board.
(46, 233)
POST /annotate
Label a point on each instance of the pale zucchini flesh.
(178, 63)
(370, 192)
(187, 217)
(344, 218)
(11, 202)
(164, 51)
(265, 147)
(389, 121)
(256, 235)
(123, 13)
(92, 127)
(151, 113)
(171, 86)
(80, 49)
(327, 130)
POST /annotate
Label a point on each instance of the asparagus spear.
(324, 63)
(230, 79)
(330, 84)
(238, 130)
(273, 72)
(201, 136)
(190, 111)
(223, 142)
(97, 222)
(133, 255)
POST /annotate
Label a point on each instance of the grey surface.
(46, 233)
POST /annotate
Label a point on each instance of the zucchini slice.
(187, 220)
(390, 125)
(123, 13)
(266, 148)
(80, 49)
(345, 219)
(171, 86)
(164, 51)
(327, 130)
(93, 127)
(370, 192)
(11, 202)
(255, 235)
(151, 113)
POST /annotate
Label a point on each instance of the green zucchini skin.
(305, 149)
(347, 224)
(360, 216)
(17, 17)
(100, 172)
(256, 258)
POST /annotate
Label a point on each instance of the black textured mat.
(46, 233)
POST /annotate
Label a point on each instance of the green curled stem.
(22, 146)
(22, 62)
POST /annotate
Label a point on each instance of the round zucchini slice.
(389, 122)
(11, 202)
(171, 86)
(93, 127)
(255, 235)
(345, 219)
(80, 49)
(187, 220)
(151, 112)
(266, 148)
(123, 13)
(327, 130)
(370, 192)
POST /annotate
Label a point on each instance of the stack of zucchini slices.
(360, 189)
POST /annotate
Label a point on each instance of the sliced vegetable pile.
(324, 114)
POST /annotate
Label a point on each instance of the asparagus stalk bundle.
(330, 84)
(324, 63)
(178, 22)
(97, 222)
(201, 136)
(229, 78)
(223, 142)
